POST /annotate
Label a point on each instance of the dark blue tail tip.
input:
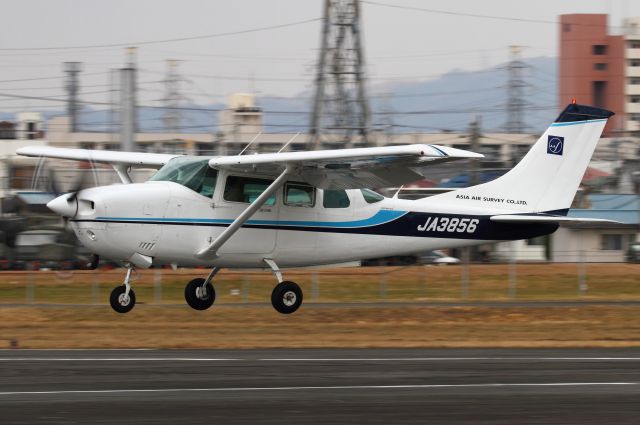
(575, 113)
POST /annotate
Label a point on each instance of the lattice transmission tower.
(73, 87)
(516, 92)
(172, 117)
(341, 115)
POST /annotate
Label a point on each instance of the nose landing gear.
(122, 298)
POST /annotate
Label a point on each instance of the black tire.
(191, 294)
(117, 301)
(286, 297)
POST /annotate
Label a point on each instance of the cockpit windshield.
(193, 173)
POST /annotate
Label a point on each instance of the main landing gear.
(286, 296)
(200, 293)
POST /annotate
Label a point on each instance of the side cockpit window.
(193, 173)
(370, 196)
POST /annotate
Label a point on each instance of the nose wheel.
(120, 301)
(122, 297)
(286, 297)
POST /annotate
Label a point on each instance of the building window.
(634, 99)
(634, 44)
(634, 62)
(566, 27)
(634, 117)
(599, 93)
(611, 242)
(599, 49)
(634, 80)
(600, 66)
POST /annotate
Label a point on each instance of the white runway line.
(331, 387)
(314, 360)
(439, 359)
(116, 359)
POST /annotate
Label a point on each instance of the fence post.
(513, 277)
(583, 287)
(157, 285)
(95, 288)
(315, 286)
(464, 280)
(422, 279)
(30, 288)
(382, 285)
(246, 287)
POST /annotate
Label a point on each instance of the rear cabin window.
(246, 189)
(370, 196)
(335, 199)
(299, 195)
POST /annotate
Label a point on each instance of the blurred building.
(601, 68)
(18, 173)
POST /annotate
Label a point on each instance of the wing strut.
(211, 250)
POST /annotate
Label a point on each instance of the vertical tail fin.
(547, 178)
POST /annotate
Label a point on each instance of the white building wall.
(584, 245)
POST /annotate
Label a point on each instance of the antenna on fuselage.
(395, 195)
(250, 143)
(289, 142)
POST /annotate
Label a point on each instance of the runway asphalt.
(435, 386)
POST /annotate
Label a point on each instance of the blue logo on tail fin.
(555, 145)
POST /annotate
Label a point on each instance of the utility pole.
(340, 108)
(515, 92)
(73, 107)
(474, 141)
(172, 116)
(128, 114)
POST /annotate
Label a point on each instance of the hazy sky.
(400, 44)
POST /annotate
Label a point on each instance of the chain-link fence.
(410, 284)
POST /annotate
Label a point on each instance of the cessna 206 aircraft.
(294, 209)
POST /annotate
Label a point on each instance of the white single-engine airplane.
(312, 208)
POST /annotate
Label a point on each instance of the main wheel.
(120, 302)
(197, 297)
(286, 297)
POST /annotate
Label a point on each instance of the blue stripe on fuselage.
(381, 217)
(383, 223)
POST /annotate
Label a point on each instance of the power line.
(477, 15)
(168, 40)
(57, 77)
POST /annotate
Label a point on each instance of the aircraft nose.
(65, 205)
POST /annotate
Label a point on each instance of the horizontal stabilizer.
(533, 218)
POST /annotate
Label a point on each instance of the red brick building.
(592, 66)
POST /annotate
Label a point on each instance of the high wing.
(348, 168)
(129, 159)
